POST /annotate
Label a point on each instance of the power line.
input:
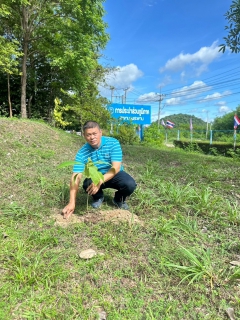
(227, 80)
(200, 87)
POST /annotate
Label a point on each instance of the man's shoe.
(97, 203)
(121, 205)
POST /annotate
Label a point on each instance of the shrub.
(127, 134)
(153, 137)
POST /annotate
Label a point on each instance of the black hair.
(90, 125)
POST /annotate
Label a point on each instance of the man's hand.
(68, 210)
(93, 189)
(74, 184)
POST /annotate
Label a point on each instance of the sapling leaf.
(90, 170)
(95, 175)
(68, 163)
(86, 171)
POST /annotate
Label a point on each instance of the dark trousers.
(122, 182)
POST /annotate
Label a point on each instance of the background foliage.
(53, 48)
(232, 40)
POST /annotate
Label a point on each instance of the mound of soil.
(114, 216)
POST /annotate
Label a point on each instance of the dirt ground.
(114, 216)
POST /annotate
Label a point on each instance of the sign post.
(236, 123)
(234, 139)
(211, 136)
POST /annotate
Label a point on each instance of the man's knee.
(131, 185)
(86, 183)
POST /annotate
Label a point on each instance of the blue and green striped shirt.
(109, 151)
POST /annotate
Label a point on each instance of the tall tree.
(73, 110)
(9, 64)
(67, 34)
(233, 38)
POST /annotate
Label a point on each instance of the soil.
(115, 216)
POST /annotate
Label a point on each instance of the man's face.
(93, 137)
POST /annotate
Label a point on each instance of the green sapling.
(90, 171)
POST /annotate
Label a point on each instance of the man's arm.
(116, 166)
(74, 185)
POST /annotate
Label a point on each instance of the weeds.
(176, 194)
(17, 212)
(200, 266)
(163, 227)
(232, 210)
(206, 202)
(236, 275)
(30, 270)
(64, 193)
(146, 199)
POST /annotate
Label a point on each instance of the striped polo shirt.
(109, 151)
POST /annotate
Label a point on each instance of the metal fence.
(230, 136)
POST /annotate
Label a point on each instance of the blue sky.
(170, 49)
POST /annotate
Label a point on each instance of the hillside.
(30, 152)
(175, 255)
(184, 119)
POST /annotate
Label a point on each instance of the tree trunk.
(9, 96)
(25, 29)
(24, 82)
(30, 107)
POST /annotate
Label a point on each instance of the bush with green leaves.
(193, 147)
(213, 151)
(224, 135)
(126, 134)
(234, 153)
(153, 137)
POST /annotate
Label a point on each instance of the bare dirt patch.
(115, 216)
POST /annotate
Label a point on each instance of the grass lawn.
(181, 262)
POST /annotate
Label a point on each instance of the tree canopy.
(225, 122)
(233, 38)
(57, 46)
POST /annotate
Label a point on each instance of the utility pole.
(207, 124)
(112, 90)
(121, 98)
(161, 96)
(125, 94)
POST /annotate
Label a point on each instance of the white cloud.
(147, 97)
(224, 109)
(173, 101)
(165, 81)
(180, 96)
(124, 76)
(183, 75)
(215, 95)
(150, 3)
(162, 115)
(200, 59)
(220, 103)
(196, 88)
